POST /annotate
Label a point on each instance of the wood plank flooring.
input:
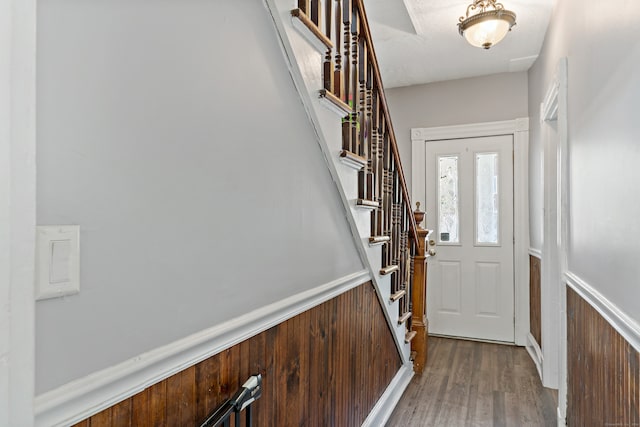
(468, 383)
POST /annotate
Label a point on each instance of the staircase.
(328, 46)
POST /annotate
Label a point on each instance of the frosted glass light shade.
(487, 28)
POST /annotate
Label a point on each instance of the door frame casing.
(555, 254)
(519, 129)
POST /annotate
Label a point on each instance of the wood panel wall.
(535, 299)
(325, 367)
(603, 370)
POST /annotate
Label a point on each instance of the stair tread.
(378, 240)
(404, 318)
(389, 269)
(307, 22)
(396, 296)
(356, 160)
(367, 204)
(342, 107)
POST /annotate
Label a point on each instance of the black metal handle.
(250, 392)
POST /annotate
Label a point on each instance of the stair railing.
(241, 401)
(353, 86)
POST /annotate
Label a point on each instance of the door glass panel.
(448, 212)
(487, 198)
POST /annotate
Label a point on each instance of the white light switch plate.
(57, 261)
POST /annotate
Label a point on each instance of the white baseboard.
(562, 421)
(534, 350)
(621, 322)
(383, 409)
(79, 399)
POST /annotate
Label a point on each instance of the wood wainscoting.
(603, 370)
(535, 299)
(326, 366)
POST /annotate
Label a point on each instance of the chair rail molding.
(535, 252)
(519, 128)
(619, 320)
(77, 400)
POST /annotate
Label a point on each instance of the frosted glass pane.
(448, 217)
(487, 199)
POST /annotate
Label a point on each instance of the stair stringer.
(304, 62)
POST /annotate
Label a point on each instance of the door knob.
(432, 252)
(432, 242)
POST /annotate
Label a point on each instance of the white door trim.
(519, 128)
(17, 210)
(554, 303)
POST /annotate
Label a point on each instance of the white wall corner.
(521, 228)
(17, 210)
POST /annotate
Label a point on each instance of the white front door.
(469, 186)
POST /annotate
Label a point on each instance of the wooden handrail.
(364, 23)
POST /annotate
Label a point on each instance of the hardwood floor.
(468, 383)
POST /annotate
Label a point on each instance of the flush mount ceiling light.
(486, 23)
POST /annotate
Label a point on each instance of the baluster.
(337, 73)
(346, 21)
(383, 202)
(404, 261)
(379, 166)
(316, 13)
(395, 243)
(396, 212)
(304, 6)
(363, 175)
(346, 122)
(404, 245)
(328, 59)
(387, 212)
(375, 147)
(355, 29)
(388, 197)
(362, 77)
(368, 126)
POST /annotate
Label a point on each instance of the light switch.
(59, 267)
(58, 261)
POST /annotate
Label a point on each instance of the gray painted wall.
(603, 50)
(455, 102)
(171, 132)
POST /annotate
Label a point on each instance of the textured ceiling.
(417, 41)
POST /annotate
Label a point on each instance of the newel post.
(419, 322)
